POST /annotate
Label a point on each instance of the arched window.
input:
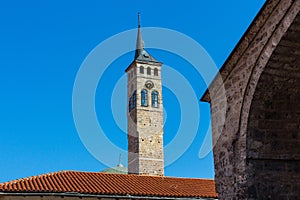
(130, 104)
(148, 71)
(155, 72)
(155, 99)
(132, 101)
(141, 69)
(144, 98)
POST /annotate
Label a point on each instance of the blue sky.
(43, 45)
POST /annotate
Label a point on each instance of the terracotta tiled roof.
(97, 183)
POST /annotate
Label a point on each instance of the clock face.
(149, 84)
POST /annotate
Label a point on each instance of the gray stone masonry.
(145, 123)
(256, 116)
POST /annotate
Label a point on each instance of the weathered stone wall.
(231, 96)
(273, 139)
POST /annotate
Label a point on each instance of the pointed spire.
(139, 41)
(139, 20)
(140, 53)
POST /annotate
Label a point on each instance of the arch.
(132, 102)
(155, 102)
(258, 73)
(155, 72)
(144, 97)
(134, 99)
(273, 130)
(148, 71)
(141, 70)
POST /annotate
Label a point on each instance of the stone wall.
(145, 123)
(231, 95)
(273, 139)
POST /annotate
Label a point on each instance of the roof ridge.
(96, 172)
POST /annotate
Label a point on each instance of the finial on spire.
(139, 20)
(140, 53)
(139, 41)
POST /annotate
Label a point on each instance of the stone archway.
(273, 131)
(256, 145)
(273, 128)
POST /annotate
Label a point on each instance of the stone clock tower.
(144, 113)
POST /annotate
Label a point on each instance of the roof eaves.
(75, 194)
(237, 50)
(73, 176)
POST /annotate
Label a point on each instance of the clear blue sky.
(42, 46)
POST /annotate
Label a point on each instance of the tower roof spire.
(139, 41)
(140, 53)
(139, 20)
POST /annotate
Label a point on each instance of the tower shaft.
(145, 113)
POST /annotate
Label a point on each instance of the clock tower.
(144, 112)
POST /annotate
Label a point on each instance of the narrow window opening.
(155, 72)
(141, 69)
(144, 98)
(132, 101)
(155, 99)
(148, 71)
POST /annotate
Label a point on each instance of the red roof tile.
(97, 183)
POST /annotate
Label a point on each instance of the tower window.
(155, 72)
(148, 71)
(130, 104)
(155, 99)
(144, 98)
(141, 69)
(132, 101)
